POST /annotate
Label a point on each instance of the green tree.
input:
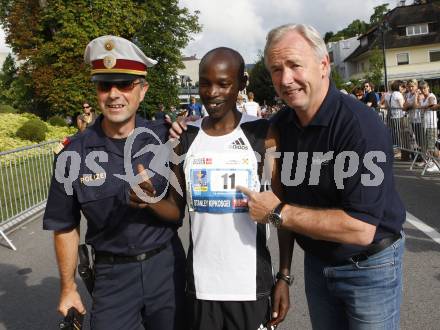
(328, 36)
(260, 83)
(375, 70)
(336, 78)
(357, 27)
(378, 14)
(7, 76)
(52, 46)
(9, 71)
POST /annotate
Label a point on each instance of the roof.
(397, 19)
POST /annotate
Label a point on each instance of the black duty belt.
(372, 249)
(109, 258)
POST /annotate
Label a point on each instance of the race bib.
(212, 183)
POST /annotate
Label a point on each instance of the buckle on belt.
(358, 258)
(109, 258)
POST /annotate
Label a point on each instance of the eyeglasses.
(122, 86)
(359, 95)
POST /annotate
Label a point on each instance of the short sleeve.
(62, 210)
(363, 197)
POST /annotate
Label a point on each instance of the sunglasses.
(87, 107)
(122, 86)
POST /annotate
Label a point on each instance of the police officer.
(139, 259)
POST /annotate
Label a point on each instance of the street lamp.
(384, 26)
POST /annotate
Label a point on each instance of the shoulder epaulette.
(61, 145)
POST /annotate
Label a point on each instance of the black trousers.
(137, 295)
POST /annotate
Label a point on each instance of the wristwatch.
(286, 278)
(274, 217)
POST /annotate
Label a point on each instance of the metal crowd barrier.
(25, 175)
(415, 131)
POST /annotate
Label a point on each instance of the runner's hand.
(280, 303)
(146, 186)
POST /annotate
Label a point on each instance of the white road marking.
(423, 227)
(406, 176)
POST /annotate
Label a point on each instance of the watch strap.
(286, 278)
(278, 208)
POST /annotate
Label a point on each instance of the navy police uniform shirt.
(341, 124)
(112, 226)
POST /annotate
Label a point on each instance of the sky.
(3, 46)
(244, 24)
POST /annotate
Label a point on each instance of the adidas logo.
(238, 144)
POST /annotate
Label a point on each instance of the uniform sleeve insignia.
(60, 146)
(109, 61)
(109, 45)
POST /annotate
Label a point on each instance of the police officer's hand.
(260, 203)
(280, 303)
(70, 298)
(146, 186)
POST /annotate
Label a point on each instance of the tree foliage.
(355, 28)
(50, 38)
(260, 83)
(375, 69)
(8, 72)
(328, 36)
(358, 27)
(378, 14)
(336, 78)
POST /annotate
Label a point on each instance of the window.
(434, 55)
(330, 54)
(414, 30)
(402, 59)
(345, 44)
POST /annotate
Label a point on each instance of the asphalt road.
(29, 277)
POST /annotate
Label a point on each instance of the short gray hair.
(308, 32)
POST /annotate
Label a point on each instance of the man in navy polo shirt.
(339, 199)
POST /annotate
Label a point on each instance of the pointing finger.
(145, 184)
(245, 191)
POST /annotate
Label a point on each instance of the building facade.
(189, 79)
(338, 52)
(411, 38)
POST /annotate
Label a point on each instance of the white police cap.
(114, 59)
